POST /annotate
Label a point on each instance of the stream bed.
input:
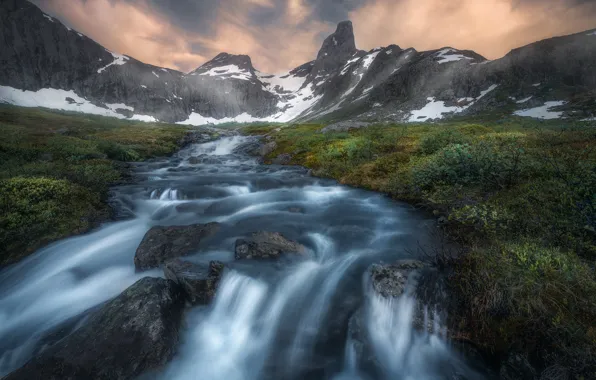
(280, 319)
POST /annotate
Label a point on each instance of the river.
(274, 320)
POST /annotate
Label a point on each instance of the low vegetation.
(56, 168)
(519, 194)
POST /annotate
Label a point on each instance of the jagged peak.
(340, 42)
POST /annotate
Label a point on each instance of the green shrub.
(34, 211)
(436, 141)
(481, 165)
(115, 151)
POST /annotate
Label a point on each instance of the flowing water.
(270, 320)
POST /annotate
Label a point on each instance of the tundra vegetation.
(518, 194)
(56, 169)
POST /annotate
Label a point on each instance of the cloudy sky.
(282, 34)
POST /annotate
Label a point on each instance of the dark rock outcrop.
(199, 282)
(282, 159)
(266, 245)
(135, 332)
(391, 280)
(161, 243)
(516, 366)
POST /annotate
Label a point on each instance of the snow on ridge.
(119, 59)
(284, 82)
(435, 109)
(524, 100)
(230, 71)
(593, 33)
(347, 65)
(56, 99)
(48, 17)
(542, 112)
(153, 72)
(116, 106)
(368, 59)
(445, 56)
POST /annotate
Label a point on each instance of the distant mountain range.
(45, 63)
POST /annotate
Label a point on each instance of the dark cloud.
(192, 15)
(282, 34)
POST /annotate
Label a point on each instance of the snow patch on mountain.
(302, 101)
(48, 17)
(116, 106)
(63, 100)
(119, 59)
(198, 119)
(542, 112)
(281, 83)
(228, 71)
(524, 100)
(435, 109)
(450, 55)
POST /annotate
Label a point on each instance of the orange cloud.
(129, 29)
(489, 27)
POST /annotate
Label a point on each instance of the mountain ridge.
(45, 62)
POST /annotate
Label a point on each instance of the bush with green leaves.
(481, 165)
(38, 210)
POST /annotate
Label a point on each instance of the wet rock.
(390, 280)
(515, 367)
(266, 245)
(265, 149)
(135, 332)
(194, 160)
(199, 282)
(282, 159)
(161, 243)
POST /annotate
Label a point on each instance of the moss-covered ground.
(56, 168)
(519, 194)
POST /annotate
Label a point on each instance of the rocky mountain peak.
(338, 48)
(226, 60)
(340, 43)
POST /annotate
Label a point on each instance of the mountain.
(45, 63)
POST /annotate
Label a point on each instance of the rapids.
(272, 320)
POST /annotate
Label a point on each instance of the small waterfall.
(234, 339)
(310, 323)
(169, 195)
(404, 352)
(221, 147)
(324, 246)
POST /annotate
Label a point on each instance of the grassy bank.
(56, 168)
(519, 194)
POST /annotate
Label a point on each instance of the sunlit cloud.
(281, 34)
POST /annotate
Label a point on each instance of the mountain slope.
(45, 63)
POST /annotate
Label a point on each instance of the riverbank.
(519, 194)
(56, 169)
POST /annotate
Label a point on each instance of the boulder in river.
(390, 280)
(282, 159)
(266, 245)
(267, 148)
(134, 332)
(199, 282)
(161, 243)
